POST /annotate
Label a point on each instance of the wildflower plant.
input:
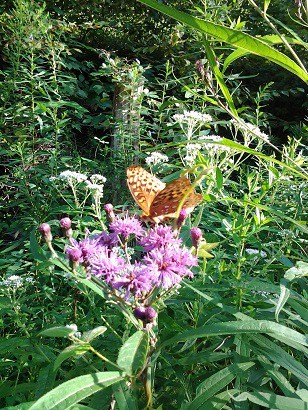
(134, 268)
(82, 187)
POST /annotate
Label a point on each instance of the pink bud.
(65, 223)
(196, 236)
(45, 231)
(74, 255)
(44, 228)
(108, 208)
(181, 219)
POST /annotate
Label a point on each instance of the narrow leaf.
(234, 37)
(217, 382)
(273, 401)
(73, 391)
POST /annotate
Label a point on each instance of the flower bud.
(108, 208)
(45, 231)
(181, 219)
(196, 236)
(66, 230)
(150, 314)
(74, 255)
(65, 223)
(140, 312)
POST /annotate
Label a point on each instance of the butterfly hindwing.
(143, 186)
(167, 201)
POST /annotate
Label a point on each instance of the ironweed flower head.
(159, 237)
(169, 265)
(126, 226)
(107, 264)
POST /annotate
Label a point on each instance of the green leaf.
(124, 397)
(70, 351)
(57, 331)
(271, 39)
(236, 38)
(219, 76)
(133, 354)
(241, 148)
(92, 334)
(219, 179)
(279, 356)
(75, 390)
(273, 401)
(220, 400)
(298, 271)
(217, 382)
(251, 326)
(36, 250)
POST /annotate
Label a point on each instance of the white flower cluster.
(189, 117)
(192, 152)
(70, 175)
(156, 158)
(249, 129)
(256, 252)
(16, 281)
(95, 182)
(204, 143)
(258, 255)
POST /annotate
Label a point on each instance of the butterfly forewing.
(143, 186)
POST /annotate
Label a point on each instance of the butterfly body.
(158, 200)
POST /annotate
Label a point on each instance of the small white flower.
(98, 178)
(191, 117)
(156, 158)
(94, 187)
(70, 175)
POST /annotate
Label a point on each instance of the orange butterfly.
(158, 200)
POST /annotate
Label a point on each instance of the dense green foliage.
(91, 88)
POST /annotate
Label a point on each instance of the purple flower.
(107, 264)
(137, 281)
(159, 237)
(168, 266)
(87, 246)
(109, 240)
(126, 226)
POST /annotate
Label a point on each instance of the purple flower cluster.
(162, 262)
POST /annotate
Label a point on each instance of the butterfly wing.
(166, 202)
(143, 186)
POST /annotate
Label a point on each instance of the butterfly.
(158, 200)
